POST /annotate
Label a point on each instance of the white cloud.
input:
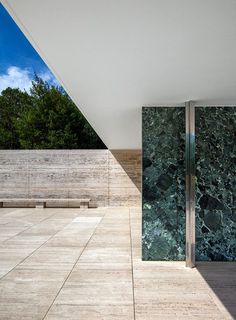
(16, 78)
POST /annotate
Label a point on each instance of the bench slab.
(41, 203)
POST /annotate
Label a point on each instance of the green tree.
(13, 103)
(44, 119)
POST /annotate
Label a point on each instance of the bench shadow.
(221, 278)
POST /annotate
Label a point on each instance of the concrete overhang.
(113, 56)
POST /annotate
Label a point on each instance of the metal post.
(190, 183)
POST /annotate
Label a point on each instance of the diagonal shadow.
(221, 278)
(130, 161)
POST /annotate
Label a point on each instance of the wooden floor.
(85, 264)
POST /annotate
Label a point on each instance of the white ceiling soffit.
(113, 56)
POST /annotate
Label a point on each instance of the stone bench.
(42, 203)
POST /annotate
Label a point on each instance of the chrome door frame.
(190, 183)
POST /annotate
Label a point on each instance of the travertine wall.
(124, 177)
(110, 178)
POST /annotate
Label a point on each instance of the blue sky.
(18, 59)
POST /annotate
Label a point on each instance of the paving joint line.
(72, 268)
(28, 228)
(132, 264)
(33, 252)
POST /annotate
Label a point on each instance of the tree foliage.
(45, 118)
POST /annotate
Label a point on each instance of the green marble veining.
(163, 183)
(216, 183)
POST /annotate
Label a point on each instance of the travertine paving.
(86, 264)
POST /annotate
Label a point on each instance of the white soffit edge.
(113, 57)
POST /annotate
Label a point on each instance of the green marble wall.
(163, 193)
(216, 183)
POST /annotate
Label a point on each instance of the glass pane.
(163, 183)
(216, 183)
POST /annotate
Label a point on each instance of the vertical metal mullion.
(190, 183)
